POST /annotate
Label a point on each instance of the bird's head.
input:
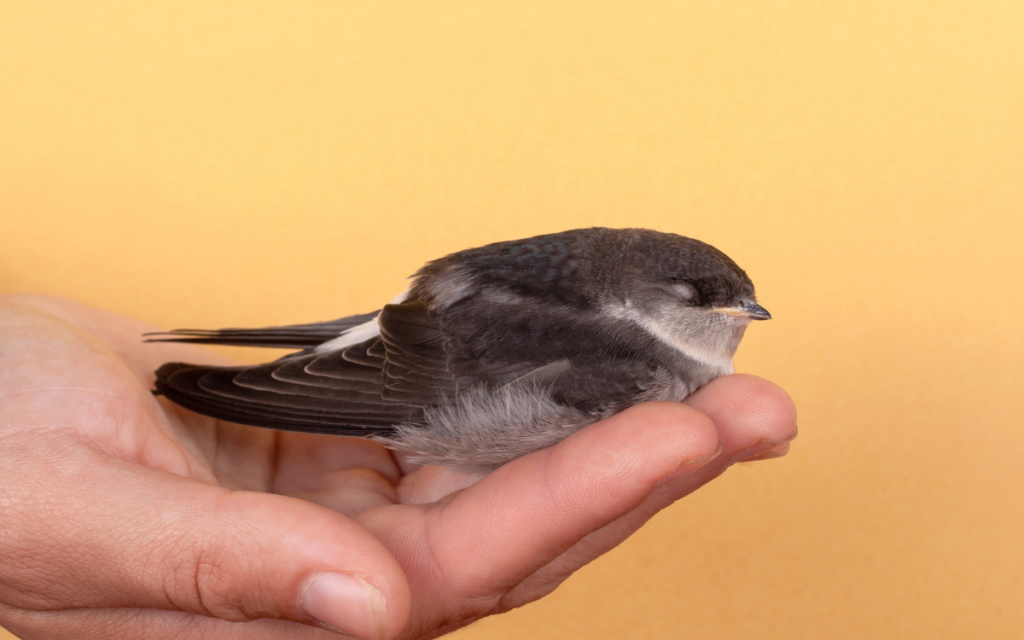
(686, 293)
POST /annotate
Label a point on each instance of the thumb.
(125, 535)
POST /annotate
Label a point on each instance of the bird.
(492, 352)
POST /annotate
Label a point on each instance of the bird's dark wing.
(296, 336)
(582, 357)
(361, 390)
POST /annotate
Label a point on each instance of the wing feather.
(363, 389)
(295, 336)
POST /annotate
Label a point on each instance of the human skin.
(123, 515)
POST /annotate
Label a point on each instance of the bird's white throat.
(702, 336)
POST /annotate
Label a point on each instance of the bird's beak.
(748, 309)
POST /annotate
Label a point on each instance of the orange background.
(249, 163)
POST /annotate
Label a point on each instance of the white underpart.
(486, 428)
(358, 333)
(706, 354)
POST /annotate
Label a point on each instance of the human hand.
(125, 516)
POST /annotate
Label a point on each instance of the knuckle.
(214, 592)
(201, 583)
(211, 573)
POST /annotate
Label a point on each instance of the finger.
(777, 452)
(114, 534)
(753, 418)
(151, 624)
(432, 484)
(348, 475)
(750, 415)
(523, 515)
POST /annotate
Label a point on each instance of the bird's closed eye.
(685, 290)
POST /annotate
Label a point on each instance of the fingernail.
(763, 448)
(347, 604)
(777, 452)
(690, 466)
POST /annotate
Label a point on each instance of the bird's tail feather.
(296, 336)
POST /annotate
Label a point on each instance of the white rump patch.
(449, 287)
(358, 333)
(349, 337)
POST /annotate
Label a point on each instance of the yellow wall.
(246, 163)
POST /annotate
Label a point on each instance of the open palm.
(125, 516)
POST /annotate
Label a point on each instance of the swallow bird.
(493, 352)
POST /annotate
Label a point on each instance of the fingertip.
(778, 452)
(347, 604)
(755, 404)
(766, 398)
(313, 541)
(254, 555)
